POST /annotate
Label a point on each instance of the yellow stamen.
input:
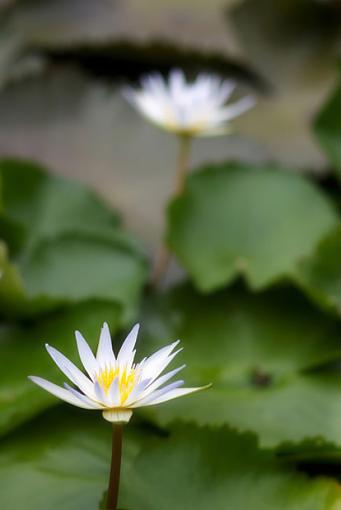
(126, 380)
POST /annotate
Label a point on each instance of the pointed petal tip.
(205, 387)
(50, 349)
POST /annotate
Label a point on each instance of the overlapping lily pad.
(66, 459)
(23, 353)
(320, 274)
(243, 219)
(66, 244)
(46, 206)
(261, 352)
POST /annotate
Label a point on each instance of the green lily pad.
(45, 206)
(64, 460)
(74, 268)
(262, 353)
(12, 294)
(66, 244)
(242, 219)
(320, 274)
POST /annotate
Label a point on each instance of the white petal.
(105, 355)
(235, 109)
(126, 352)
(86, 356)
(151, 368)
(161, 380)
(101, 396)
(160, 367)
(170, 395)
(71, 371)
(59, 392)
(114, 393)
(225, 90)
(83, 398)
(157, 394)
(152, 110)
(177, 83)
(137, 392)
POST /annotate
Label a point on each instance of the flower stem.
(115, 469)
(163, 256)
(182, 164)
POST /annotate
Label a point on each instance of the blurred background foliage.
(255, 294)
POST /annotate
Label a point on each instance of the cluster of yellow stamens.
(126, 380)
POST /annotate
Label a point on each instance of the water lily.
(197, 108)
(116, 385)
(188, 109)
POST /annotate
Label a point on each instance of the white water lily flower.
(195, 108)
(116, 385)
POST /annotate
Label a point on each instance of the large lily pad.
(66, 244)
(261, 354)
(23, 353)
(75, 268)
(249, 220)
(65, 461)
(46, 206)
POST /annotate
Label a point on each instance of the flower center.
(126, 380)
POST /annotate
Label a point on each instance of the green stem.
(182, 164)
(163, 256)
(115, 469)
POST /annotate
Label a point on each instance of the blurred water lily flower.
(197, 108)
(116, 385)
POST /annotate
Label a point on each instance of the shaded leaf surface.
(46, 206)
(68, 461)
(67, 245)
(320, 274)
(242, 219)
(259, 352)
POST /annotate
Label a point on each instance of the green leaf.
(63, 461)
(202, 468)
(240, 219)
(12, 293)
(67, 245)
(320, 274)
(328, 128)
(23, 353)
(73, 268)
(261, 354)
(46, 206)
